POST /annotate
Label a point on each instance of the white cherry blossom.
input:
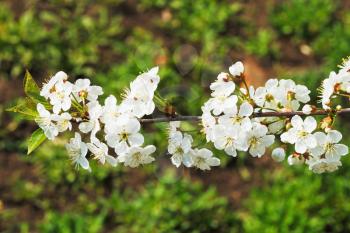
(77, 151)
(301, 134)
(222, 104)
(83, 90)
(124, 134)
(136, 156)
(100, 152)
(229, 139)
(223, 86)
(266, 96)
(45, 120)
(63, 122)
(179, 147)
(49, 87)
(111, 111)
(139, 98)
(328, 144)
(240, 119)
(149, 79)
(60, 99)
(204, 159)
(208, 123)
(93, 124)
(322, 165)
(258, 140)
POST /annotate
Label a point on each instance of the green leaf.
(32, 90)
(35, 140)
(27, 108)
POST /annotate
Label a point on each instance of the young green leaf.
(35, 140)
(32, 90)
(27, 108)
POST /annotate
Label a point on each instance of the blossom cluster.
(117, 123)
(181, 151)
(234, 119)
(229, 123)
(337, 84)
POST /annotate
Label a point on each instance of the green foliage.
(303, 19)
(173, 205)
(72, 222)
(298, 201)
(39, 37)
(191, 21)
(263, 44)
(333, 44)
(166, 205)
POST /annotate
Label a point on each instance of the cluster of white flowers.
(228, 121)
(336, 84)
(118, 122)
(180, 148)
(233, 119)
(322, 150)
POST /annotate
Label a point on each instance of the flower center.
(269, 98)
(237, 119)
(124, 136)
(329, 147)
(83, 94)
(179, 150)
(137, 156)
(253, 141)
(302, 133)
(229, 141)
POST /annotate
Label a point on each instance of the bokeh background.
(192, 41)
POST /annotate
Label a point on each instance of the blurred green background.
(111, 42)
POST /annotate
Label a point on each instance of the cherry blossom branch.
(230, 120)
(260, 114)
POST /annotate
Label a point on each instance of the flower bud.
(295, 159)
(288, 126)
(278, 154)
(326, 122)
(307, 109)
(338, 108)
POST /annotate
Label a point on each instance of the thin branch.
(262, 114)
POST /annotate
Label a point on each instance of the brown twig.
(260, 114)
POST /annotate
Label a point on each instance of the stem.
(260, 114)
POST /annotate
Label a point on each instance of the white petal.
(136, 139)
(246, 109)
(111, 160)
(310, 124)
(341, 149)
(86, 127)
(335, 136)
(300, 147)
(149, 149)
(213, 161)
(297, 122)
